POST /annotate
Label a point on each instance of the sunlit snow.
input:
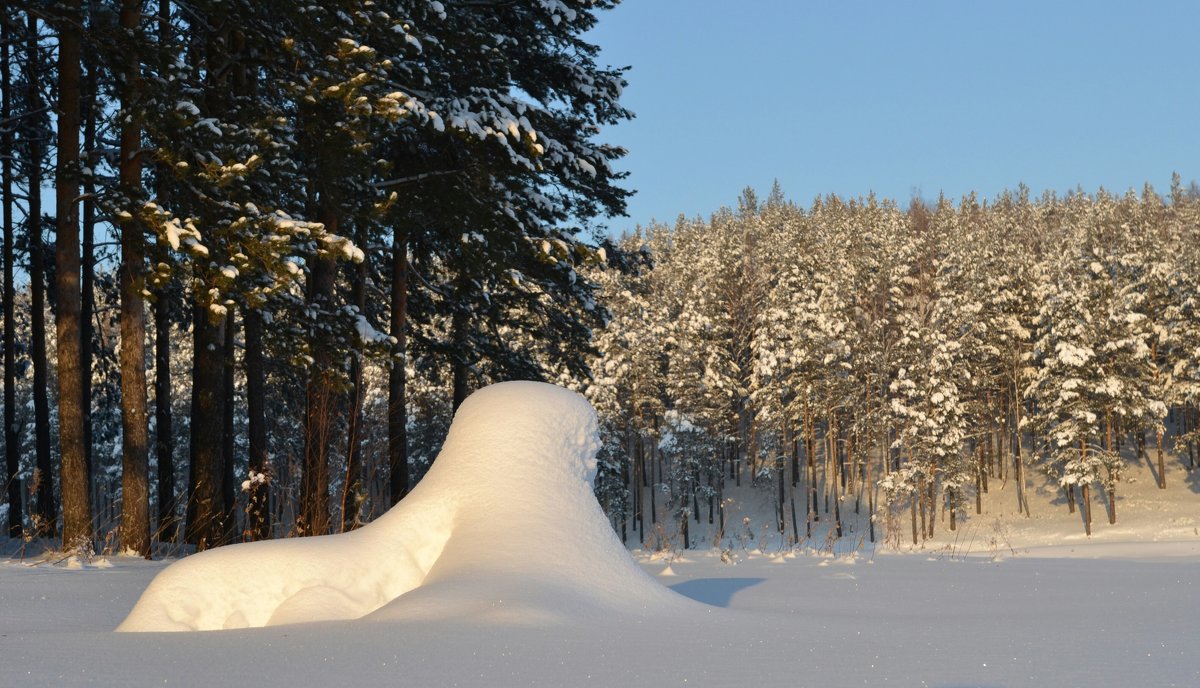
(504, 527)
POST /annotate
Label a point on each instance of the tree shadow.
(1152, 464)
(1192, 479)
(715, 591)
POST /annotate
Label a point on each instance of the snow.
(526, 585)
(504, 528)
(1043, 619)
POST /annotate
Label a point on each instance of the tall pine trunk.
(258, 512)
(45, 511)
(203, 527)
(228, 487)
(397, 403)
(12, 448)
(76, 497)
(352, 486)
(87, 282)
(164, 444)
(1162, 467)
(319, 397)
(164, 439)
(135, 483)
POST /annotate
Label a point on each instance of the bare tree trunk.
(397, 402)
(932, 502)
(12, 447)
(1162, 467)
(1085, 493)
(135, 509)
(164, 438)
(1109, 446)
(810, 444)
(164, 446)
(1086, 506)
(870, 488)
(87, 288)
(352, 486)
(258, 511)
(46, 511)
(228, 485)
(1022, 498)
(952, 510)
(653, 481)
(923, 507)
(782, 497)
(978, 478)
(914, 496)
(203, 526)
(319, 399)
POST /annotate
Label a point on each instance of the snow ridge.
(504, 528)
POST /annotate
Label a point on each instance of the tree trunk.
(397, 402)
(135, 504)
(978, 478)
(932, 503)
(319, 397)
(228, 481)
(87, 283)
(12, 447)
(258, 512)
(164, 438)
(352, 485)
(164, 446)
(45, 511)
(1162, 467)
(952, 510)
(203, 527)
(810, 444)
(1022, 498)
(1086, 506)
(923, 506)
(870, 488)
(781, 492)
(653, 483)
(913, 498)
(1108, 446)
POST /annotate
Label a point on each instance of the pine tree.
(12, 447)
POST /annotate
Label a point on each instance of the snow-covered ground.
(1126, 619)
(536, 592)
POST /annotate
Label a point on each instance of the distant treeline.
(898, 358)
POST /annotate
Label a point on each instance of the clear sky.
(900, 97)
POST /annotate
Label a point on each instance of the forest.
(859, 354)
(242, 239)
(256, 254)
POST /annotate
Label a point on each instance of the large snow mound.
(504, 528)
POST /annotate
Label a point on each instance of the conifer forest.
(256, 253)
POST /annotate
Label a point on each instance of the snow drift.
(503, 528)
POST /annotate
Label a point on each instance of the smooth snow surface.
(787, 620)
(504, 528)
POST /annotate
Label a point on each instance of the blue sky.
(900, 98)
